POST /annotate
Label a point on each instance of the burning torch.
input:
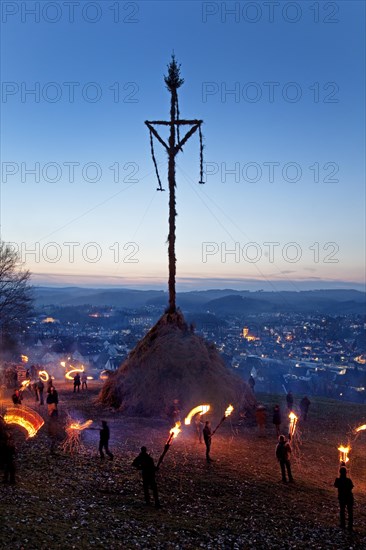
(343, 454)
(172, 435)
(292, 427)
(200, 409)
(360, 428)
(24, 385)
(227, 413)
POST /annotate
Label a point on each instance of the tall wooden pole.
(173, 81)
(172, 209)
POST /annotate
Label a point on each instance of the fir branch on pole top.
(173, 81)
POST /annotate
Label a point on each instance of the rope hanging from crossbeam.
(201, 155)
(160, 188)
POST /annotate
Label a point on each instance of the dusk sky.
(280, 88)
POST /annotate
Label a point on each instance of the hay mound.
(171, 362)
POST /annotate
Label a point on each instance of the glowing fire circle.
(24, 417)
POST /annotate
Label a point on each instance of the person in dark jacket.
(344, 485)
(145, 463)
(261, 417)
(17, 397)
(104, 440)
(283, 452)
(290, 401)
(35, 390)
(277, 418)
(77, 382)
(174, 411)
(40, 387)
(199, 427)
(52, 400)
(304, 407)
(49, 384)
(7, 452)
(207, 434)
(251, 382)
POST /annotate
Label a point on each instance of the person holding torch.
(145, 463)
(344, 485)
(207, 435)
(283, 452)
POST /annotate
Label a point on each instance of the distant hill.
(75, 296)
(237, 305)
(217, 301)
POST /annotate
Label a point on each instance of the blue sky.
(296, 112)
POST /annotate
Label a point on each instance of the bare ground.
(239, 502)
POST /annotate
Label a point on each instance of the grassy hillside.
(236, 502)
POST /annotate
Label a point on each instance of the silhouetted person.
(33, 372)
(84, 381)
(283, 452)
(3, 429)
(290, 401)
(104, 440)
(15, 379)
(251, 382)
(7, 453)
(8, 458)
(174, 411)
(77, 382)
(40, 387)
(52, 400)
(145, 463)
(35, 389)
(260, 416)
(304, 407)
(199, 427)
(344, 485)
(277, 418)
(207, 434)
(49, 384)
(17, 397)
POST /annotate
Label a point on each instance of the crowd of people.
(144, 461)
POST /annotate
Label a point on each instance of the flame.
(71, 373)
(90, 378)
(103, 375)
(200, 409)
(343, 457)
(44, 376)
(229, 410)
(361, 428)
(293, 421)
(78, 426)
(175, 431)
(24, 358)
(63, 364)
(24, 384)
(25, 417)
